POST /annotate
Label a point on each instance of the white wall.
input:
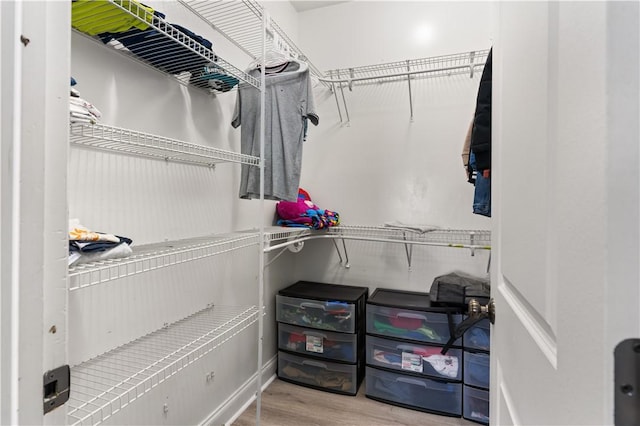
(383, 167)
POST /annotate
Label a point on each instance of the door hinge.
(55, 387)
(627, 382)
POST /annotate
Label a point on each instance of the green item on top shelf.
(97, 17)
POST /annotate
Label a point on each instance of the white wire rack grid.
(155, 256)
(277, 234)
(457, 238)
(174, 53)
(448, 237)
(109, 138)
(104, 385)
(240, 22)
(435, 66)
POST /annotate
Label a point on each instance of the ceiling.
(303, 5)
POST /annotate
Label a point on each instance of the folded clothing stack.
(80, 110)
(216, 78)
(89, 246)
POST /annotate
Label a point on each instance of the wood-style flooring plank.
(286, 404)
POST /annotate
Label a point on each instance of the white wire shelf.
(109, 138)
(461, 238)
(155, 256)
(408, 70)
(174, 53)
(435, 66)
(104, 385)
(457, 238)
(294, 238)
(278, 233)
(241, 23)
(280, 239)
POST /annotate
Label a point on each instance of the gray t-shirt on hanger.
(288, 104)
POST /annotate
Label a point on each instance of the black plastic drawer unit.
(320, 343)
(478, 336)
(475, 404)
(414, 358)
(323, 306)
(319, 374)
(321, 335)
(414, 392)
(409, 316)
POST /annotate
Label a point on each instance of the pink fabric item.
(289, 210)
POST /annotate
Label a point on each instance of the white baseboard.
(242, 398)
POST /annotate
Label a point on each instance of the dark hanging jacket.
(481, 134)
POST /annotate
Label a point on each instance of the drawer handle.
(311, 305)
(406, 348)
(411, 381)
(314, 364)
(410, 315)
(310, 333)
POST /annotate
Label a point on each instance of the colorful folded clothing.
(304, 213)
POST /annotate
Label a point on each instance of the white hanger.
(278, 54)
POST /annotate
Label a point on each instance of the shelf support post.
(335, 94)
(337, 249)
(410, 98)
(344, 101)
(472, 56)
(408, 248)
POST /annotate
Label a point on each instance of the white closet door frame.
(34, 76)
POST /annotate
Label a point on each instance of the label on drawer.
(411, 362)
(314, 344)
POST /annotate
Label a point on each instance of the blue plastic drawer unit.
(322, 306)
(475, 404)
(414, 392)
(414, 358)
(410, 316)
(320, 343)
(319, 374)
(478, 336)
(476, 369)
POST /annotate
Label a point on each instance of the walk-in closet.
(246, 212)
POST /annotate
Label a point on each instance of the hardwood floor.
(286, 404)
